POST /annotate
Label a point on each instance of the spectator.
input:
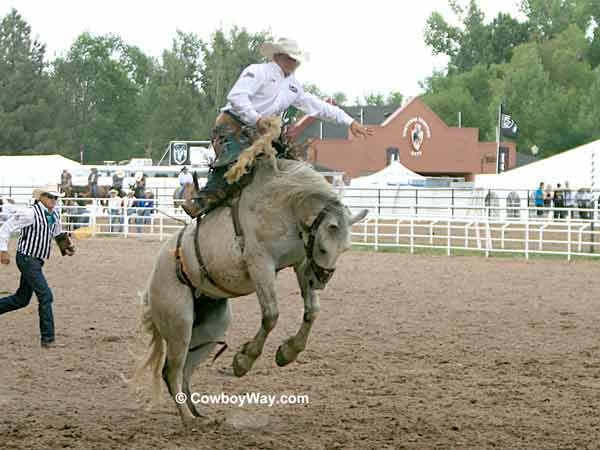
(81, 214)
(115, 207)
(548, 200)
(582, 202)
(539, 200)
(93, 183)
(559, 201)
(117, 181)
(66, 182)
(145, 210)
(569, 200)
(140, 185)
(130, 205)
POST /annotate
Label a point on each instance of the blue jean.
(143, 218)
(32, 280)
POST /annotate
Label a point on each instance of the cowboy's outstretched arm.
(315, 107)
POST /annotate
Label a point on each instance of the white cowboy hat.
(49, 189)
(113, 190)
(120, 173)
(139, 176)
(283, 45)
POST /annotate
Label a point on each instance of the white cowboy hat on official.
(283, 45)
(48, 189)
(120, 173)
(139, 176)
(113, 190)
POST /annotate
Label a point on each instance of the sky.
(355, 47)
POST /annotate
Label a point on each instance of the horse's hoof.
(241, 364)
(285, 355)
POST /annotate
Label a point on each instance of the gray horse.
(290, 217)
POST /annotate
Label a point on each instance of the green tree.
(548, 18)
(394, 99)
(474, 42)
(374, 99)
(25, 113)
(99, 87)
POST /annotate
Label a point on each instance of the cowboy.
(66, 181)
(261, 91)
(117, 181)
(38, 225)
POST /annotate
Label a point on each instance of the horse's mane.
(294, 185)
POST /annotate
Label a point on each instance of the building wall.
(444, 150)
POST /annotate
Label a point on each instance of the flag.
(508, 127)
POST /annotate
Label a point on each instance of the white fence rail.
(568, 232)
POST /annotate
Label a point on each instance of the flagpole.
(498, 132)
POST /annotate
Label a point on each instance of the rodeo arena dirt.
(408, 352)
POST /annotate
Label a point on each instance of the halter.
(323, 274)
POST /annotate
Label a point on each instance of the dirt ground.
(409, 352)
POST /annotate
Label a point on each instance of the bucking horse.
(287, 216)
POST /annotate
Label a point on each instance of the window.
(392, 154)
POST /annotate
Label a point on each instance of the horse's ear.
(358, 217)
(195, 178)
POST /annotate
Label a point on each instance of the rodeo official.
(38, 225)
(261, 91)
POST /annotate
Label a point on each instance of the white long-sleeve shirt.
(263, 90)
(20, 219)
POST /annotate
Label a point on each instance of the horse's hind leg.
(177, 351)
(212, 320)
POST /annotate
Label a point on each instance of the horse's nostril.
(323, 251)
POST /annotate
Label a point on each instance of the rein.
(323, 274)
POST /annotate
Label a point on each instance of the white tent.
(18, 174)
(578, 166)
(395, 174)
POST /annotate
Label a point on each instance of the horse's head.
(326, 239)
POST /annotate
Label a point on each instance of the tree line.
(545, 70)
(113, 101)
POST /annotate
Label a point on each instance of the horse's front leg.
(264, 280)
(291, 347)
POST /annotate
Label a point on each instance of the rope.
(170, 216)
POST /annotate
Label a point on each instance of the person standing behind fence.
(115, 207)
(66, 182)
(146, 207)
(93, 183)
(569, 200)
(548, 200)
(559, 202)
(117, 181)
(38, 225)
(539, 200)
(130, 206)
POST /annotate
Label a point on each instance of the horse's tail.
(155, 357)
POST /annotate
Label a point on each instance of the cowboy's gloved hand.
(358, 130)
(65, 244)
(4, 258)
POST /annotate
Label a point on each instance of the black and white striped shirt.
(36, 232)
